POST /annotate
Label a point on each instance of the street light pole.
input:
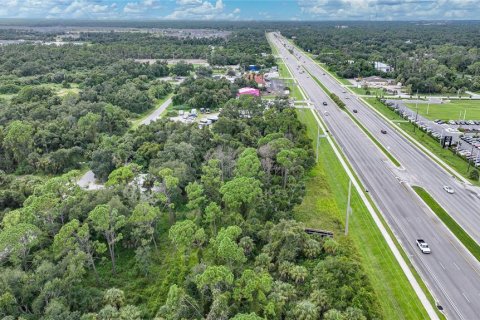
(348, 206)
(318, 139)
(469, 161)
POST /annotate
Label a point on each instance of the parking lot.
(464, 133)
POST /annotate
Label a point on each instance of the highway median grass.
(360, 125)
(324, 207)
(451, 224)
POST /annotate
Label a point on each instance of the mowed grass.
(371, 91)
(463, 236)
(283, 70)
(454, 161)
(453, 110)
(324, 207)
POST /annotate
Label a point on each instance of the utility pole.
(318, 140)
(428, 106)
(470, 161)
(348, 206)
(416, 114)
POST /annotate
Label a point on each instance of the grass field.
(362, 91)
(324, 207)
(283, 70)
(467, 241)
(452, 110)
(454, 161)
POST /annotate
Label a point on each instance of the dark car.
(383, 131)
(324, 103)
(355, 110)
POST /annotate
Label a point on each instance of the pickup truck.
(423, 246)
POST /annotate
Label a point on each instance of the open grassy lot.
(324, 208)
(371, 91)
(452, 110)
(467, 241)
(454, 161)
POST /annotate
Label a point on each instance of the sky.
(242, 9)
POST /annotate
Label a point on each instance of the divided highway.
(450, 271)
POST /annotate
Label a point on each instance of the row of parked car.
(468, 154)
(458, 122)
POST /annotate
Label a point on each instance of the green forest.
(193, 223)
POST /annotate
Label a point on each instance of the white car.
(423, 246)
(448, 189)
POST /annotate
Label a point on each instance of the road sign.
(446, 140)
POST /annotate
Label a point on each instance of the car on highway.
(383, 131)
(448, 189)
(355, 111)
(423, 246)
(324, 103)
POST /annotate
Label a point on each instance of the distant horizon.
(243, 10)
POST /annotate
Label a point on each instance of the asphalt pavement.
(451, 272)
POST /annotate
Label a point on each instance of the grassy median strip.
(378, 144)
(324, 207)
(454, 227)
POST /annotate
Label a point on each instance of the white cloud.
(201, 10)
(389, 9)
(140, 7)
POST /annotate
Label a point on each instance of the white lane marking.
(441, 265)
(456, 266)
(466, 298)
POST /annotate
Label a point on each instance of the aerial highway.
(450, 271)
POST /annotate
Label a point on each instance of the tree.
(306, 310)
(215, 278)
(241, 193)
(143, 221)
(212, 180)
(168, 186)
(248, 164)
(179, 305)
(121, 176)
(75, 237)
(196, 198)
(89, 125)
(17, 241)
(108, 221)
(19, 140)
(212, 215)
(252, 289)
(250, 316)
(185, 234)
(473, 175)
(226, 248)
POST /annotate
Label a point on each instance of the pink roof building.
(249, 91)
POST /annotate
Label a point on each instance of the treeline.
(213, 209)
(428, 58)
(43, 132)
